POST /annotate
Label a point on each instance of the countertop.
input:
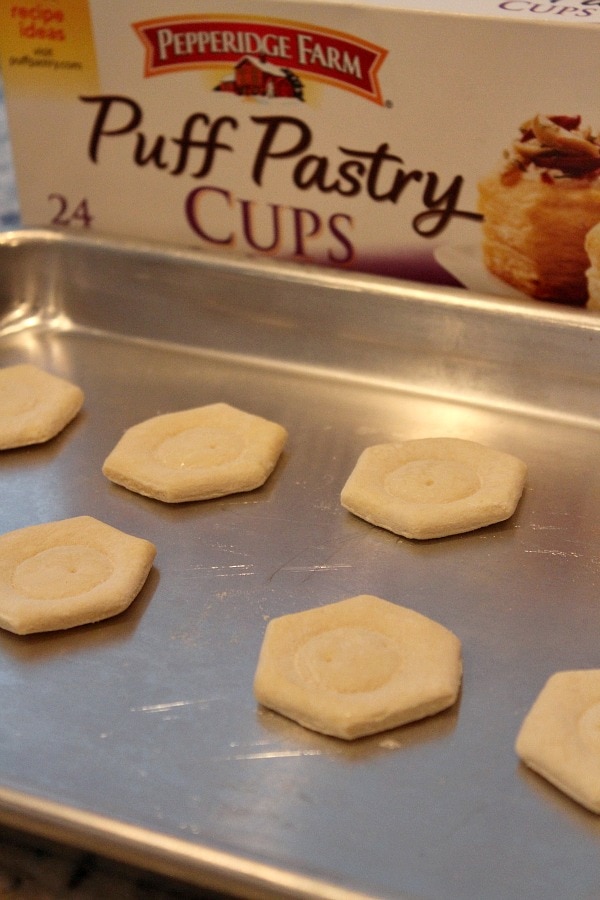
(35, 869)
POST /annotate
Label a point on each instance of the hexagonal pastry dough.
(69, 572)
(196, 454)
(34, 405)
(434, 487)
(357, 667)
(560, 736)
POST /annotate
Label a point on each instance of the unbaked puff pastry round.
(538, 207)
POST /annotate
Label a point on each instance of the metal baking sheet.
(139, 737)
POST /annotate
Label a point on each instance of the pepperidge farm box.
(452, 142)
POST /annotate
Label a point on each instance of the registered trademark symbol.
(389, 104)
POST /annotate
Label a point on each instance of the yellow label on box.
(48, 48)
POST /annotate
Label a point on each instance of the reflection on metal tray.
(139, 737)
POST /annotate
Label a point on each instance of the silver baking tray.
(139, 737)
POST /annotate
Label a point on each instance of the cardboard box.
(355, 136)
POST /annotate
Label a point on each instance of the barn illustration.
(254, 76)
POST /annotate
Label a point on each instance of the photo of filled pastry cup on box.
(541, 209)
(540, 218)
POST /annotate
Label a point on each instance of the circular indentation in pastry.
(16, 398)
(200, 447)
(588, 726)
(432, 481)
(348, 659)
(61, 572)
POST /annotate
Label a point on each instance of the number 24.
(66, 215)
